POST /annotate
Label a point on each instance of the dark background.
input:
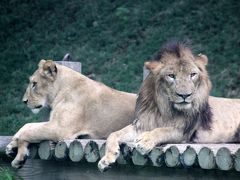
(112, 39)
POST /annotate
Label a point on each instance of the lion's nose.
(184, 96)
(25, 101)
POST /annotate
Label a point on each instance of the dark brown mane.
(153, 106)
(172, 47)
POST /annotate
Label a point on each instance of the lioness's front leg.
(112, 151)
(29, 133)
(146, 141)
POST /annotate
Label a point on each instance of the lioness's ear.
(41, 62)
(201, 58)
(151, 65)
(50, 69)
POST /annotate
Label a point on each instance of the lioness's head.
(40, 86)
(180, 76)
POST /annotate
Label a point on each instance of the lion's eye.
(171, 76)
(34, 84)
(193, 74)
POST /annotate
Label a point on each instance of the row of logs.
(207, 156)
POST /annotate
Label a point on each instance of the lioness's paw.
(104, 164)
(18, 164)
(11, 151)
(145, 143)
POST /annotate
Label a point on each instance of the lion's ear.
(151, 65)
(201, 58)
(49, 69)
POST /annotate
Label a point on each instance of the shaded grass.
(112, 39)
(8, 174)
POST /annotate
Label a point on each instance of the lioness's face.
(179, 78)
(40, 85)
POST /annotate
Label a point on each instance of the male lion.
(173, 103)
(80, 107)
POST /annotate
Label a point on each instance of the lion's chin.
(182, 106)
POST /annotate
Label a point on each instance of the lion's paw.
(144, 143)
(104, 164)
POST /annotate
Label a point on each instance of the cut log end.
(61, 151)
(139, 159)
(91, 152)
(172, 157)
(157, 157)
(46, 150)
(237, 160)
(76, 152)
(206, 158)
(189, 157)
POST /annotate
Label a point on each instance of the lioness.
(174, 103)
(79, 107)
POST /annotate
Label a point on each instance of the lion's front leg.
(146, 141)
(112, 152)
(29, 133)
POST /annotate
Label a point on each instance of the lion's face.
(40, 85)
(181, 79)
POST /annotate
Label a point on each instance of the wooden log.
(102, 150)
(46, 150)
(125, 154)
(61, 150)
(224, 159)
(76, 66)
(189, 157)
(206, 158)
(33, 151)
(172, 157)
(139, 159)
(91, 152)
(4, 141)
(237, 160)
(157, 157)
(145, 72)
(76, 152)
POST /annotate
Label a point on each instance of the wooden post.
(237, 160)
(102, 150)
(206, 158)
(46, 150)
(157, 157)
(125, 154)
(139, 159)
(91, 152)
(189, 157)
(224, 159)
(33, 151)
(4, 141)
(76, 152)
(145, 72)
(172, 157)
(61, 150)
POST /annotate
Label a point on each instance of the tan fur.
(160, 117)
(225, 122)
(80, 106)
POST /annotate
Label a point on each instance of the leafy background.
(112, 39)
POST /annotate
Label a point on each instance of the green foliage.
(112, 39)
(7, 174)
